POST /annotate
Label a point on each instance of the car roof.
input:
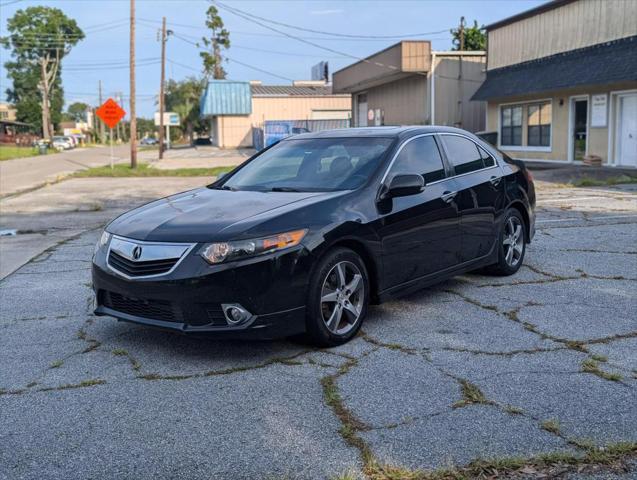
(386, 132)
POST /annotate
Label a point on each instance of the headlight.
(220, 252)
(103, 241)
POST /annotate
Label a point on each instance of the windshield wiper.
(284, 189)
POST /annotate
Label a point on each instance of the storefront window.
(539, 125)
(511, 126)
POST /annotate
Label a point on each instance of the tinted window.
(511, 125)
(487, 159)
(463, 154)
(421, 156)
(320, 164)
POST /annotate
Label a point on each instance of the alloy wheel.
(342, 297)
(513, 242)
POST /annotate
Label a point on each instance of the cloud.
(326, 12)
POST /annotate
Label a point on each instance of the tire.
(511, 245)
(333, 302)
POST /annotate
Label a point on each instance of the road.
(539, 364)
(23, 174)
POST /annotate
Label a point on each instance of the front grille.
(151, 309)
(140, 269)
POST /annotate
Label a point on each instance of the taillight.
(528, 174)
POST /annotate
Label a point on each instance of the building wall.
(403, 102)
(7, 112)
(597, 136)
(404, 57)
(571, 26)
(236, 131)
(469, 115)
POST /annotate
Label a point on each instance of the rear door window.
(420, 156)
(463, 154)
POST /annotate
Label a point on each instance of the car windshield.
(318, 164)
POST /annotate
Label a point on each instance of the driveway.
(539, 365)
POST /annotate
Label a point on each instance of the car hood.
(206, 214)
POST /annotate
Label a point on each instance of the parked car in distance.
(303, 236)
(203, 141)
(148, 141)
(62, 143)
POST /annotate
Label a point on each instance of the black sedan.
(304, 235)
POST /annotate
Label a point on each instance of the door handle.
(448, 196)
(495, 181)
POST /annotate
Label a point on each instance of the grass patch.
(594, 182)
(11, 152)
(120, 352)
(145, 170)
(470, 394)
(590, 365)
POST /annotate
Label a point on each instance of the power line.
(390, 67)
(230, 60)
(271, 35)
(334, 34)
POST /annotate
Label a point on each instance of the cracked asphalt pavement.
(540, 364)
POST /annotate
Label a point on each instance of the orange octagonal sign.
(110, 113)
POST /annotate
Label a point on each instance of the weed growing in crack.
(513, 410)
(57, 364)
(552, 426)
(470, 394)
(590, 365)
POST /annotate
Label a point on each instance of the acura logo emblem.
(137, 252)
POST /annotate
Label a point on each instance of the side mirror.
(403, 186)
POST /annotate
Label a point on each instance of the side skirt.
(437, 277)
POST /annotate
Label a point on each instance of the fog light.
(235, 314)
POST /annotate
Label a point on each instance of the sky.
(255, 50)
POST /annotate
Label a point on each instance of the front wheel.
(338, 297)
(511, 244)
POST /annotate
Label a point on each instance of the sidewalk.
(555, 173)
(22, 174)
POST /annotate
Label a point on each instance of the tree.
(474, 37)
(183, 98)
(219, 39)
(25, 95)
(77, 111)
(39, 38)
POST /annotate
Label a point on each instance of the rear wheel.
(511, 245)
(338, 297)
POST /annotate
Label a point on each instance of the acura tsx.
(304, 235)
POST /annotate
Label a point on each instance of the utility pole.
(102, 133)
(133, 115)
(161, 88)
(460, 86)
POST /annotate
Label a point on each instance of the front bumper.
(189, 299)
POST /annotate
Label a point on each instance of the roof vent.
(308, 83)
(256, 82)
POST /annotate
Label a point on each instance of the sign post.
(111, 114)
(112, 158)
(171, 119)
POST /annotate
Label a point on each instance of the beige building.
(562, 82)
(234, 108)
(409, 84)
(7, 112)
